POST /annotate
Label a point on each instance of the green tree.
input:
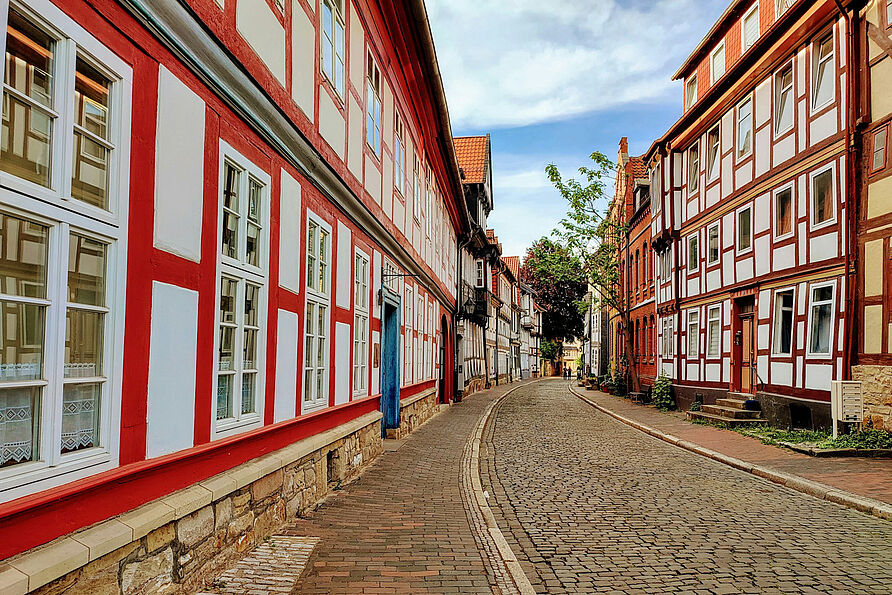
(594, 238)
(548, 350)
(557, 277)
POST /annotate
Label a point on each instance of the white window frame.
(720, 48)
(695, 238)
(481, 273)
(417, 190)
(361, 306)
(689, 97)
(693, 173)
(709, 230)
(237, 269)
(781, 6)
(739, 122)
(330, 39)
(811, 195)
(776, 321)
(53, 207)
(319, 297)
(879, 141)
(408, 336)
(737, 214)
(745, 43)
(714, 168)
(399, 154)
(693, 320)
(833, 322)
(828, 62)
(418, 343)
(775, 211)
(713, 316)
(778, 92)
(373, 105)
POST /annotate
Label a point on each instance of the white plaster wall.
(342, 363)
(303, 61)
(785, 257)
(179, 168)
(823, 246)
(783, 150)
(762, 151)
(743, 175)
(173, 348)
(824, 126)
(290, 255)
(745, 269)
(354, 137)
(372, 179)
(331, 124)
(782, 373)
(761, 214)
(287, 366)
(762, 254)
(344, 267)
(356, 59)
(255, 20)
(818, 376)
(762, 101)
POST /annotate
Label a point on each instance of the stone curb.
(800, 484)
(504, 549)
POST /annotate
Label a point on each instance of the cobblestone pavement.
(402, 527)
(589, 505)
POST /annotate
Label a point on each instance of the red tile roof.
(513, 264)
(639, 168)
(471, 153)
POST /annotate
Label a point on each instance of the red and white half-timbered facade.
(226, 227)
(750, 214)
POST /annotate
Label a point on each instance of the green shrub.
(696, 406)
(662, 393)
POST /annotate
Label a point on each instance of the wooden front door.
(747, 359)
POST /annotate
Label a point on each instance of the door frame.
(390, 359)
(743, 307)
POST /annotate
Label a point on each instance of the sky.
(552, 81)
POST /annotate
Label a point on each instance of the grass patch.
(864, 439)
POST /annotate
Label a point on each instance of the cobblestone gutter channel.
(507, 573)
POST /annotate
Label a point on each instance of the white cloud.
(529, 61)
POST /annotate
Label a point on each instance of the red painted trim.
(42, 517)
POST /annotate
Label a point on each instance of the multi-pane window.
(373, 106)
(428, 201)
(781, 6)
(878, 160)
(750, 27)
(823, 72)
(822, 197)
(820, 323)
(714, 332)
(690, 92)
(360, 323)
(481, 273)
(399, 154)
(718, 62)
(693, 252)
(417, 190)
(408, 336)
(667, 338)
(783, 212)
(694, 167)
(242, 279)
(48, 98)
(35, 387)
(712, 244)
(745, 128)
(333, 43)
(693, 334)
(712, 154)
(744, 229)
(783, 322)
(783, 99)
(316, 329)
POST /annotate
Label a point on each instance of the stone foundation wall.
(776, 409)
(475, 384)
(414, 411)
(177, 543)
(877, 390)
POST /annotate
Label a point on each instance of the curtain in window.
(18, 425)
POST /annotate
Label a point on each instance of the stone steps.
(730, 412)
(731, 403)
(731, 421)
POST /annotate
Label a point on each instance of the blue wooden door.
(390, 366)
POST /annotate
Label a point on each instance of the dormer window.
(718, 62)
(642, 196)
(690, 95)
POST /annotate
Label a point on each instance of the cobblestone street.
(591, 505)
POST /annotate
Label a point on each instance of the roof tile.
(471, 153)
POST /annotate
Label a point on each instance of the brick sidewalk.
(402, 526)
(864, 477)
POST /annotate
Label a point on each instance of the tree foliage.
(557, 277)
(548, 350)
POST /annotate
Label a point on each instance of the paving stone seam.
(482, 520)
(795, 482)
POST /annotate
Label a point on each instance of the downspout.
(853, 160)
(675, 266)
(461, 244)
